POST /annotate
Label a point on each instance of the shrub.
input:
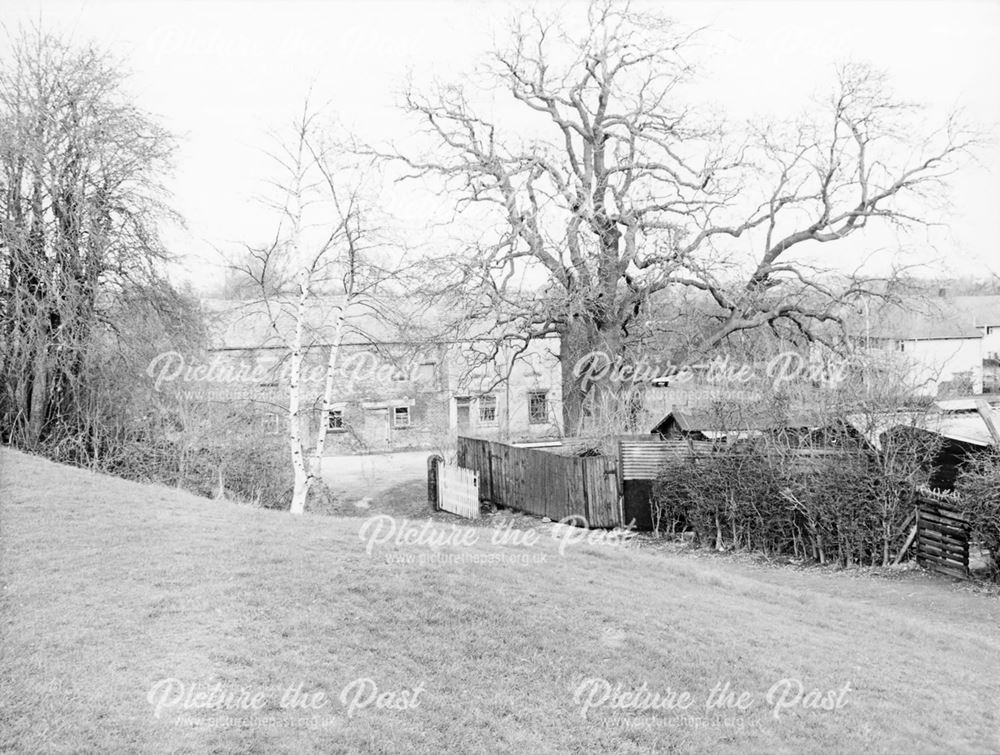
(844, 505)
(979, 487)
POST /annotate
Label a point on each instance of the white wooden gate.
(458, 490)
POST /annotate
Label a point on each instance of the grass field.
(141, 619)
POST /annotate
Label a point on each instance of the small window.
(488, 410)
(336, 420)
(401, 416)
(538, 408)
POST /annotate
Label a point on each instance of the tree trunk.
(302, 475)
(331, 367)
(590, 354)
(38, 405)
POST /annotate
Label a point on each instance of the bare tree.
(323, 247)
(79, 204)
(612, 189)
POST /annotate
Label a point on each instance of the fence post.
(489, 470)
(432, 480)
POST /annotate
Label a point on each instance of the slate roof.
(919, 321)
(248, 325)
(978, 310)
(702, 420)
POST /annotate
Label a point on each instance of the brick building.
(395, 386)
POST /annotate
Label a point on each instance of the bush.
(978, 485)
(842, 506)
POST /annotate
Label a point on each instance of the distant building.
(794, 428)
(983, 312)
(936, 346)
(394, 386)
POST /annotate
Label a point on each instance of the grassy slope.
(109, 586)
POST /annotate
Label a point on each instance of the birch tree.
(323, 249)
(610, 186)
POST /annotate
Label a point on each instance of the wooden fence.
(543, 483)
(458, 490)
(942, 536)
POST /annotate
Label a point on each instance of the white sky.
(224, 74)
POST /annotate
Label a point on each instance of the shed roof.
(965, 427)
(707, 421)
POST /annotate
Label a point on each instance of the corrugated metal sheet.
(643, 459)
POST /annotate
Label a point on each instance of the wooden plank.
(545, 484)
(938, 537)
(957, 558)
(930, 523)
(906, 545)
(986, 412)
(458, 491)
(943, 556)
(936, 563)
(944, 537)
(960, 531)
(948, 515)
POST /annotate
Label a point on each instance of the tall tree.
(604, 182)
(323, 251)
(79, 202)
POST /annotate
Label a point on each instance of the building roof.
(965, 427)
(936, 319)
(930, 318)
(259, 325)
(979, 310)
(383, 320)
(710, 422)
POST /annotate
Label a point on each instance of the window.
(401, 416)
(488, 410)
(538, 408)
(336, 420)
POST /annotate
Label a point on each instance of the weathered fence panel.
(543, 483)
(942, 541)
(458, 491)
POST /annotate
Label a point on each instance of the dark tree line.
(83, 296)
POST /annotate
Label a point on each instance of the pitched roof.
(708, 421)
(373, 321)
(918, 320)
(256, 325)
(967, 427)
(979, 310)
